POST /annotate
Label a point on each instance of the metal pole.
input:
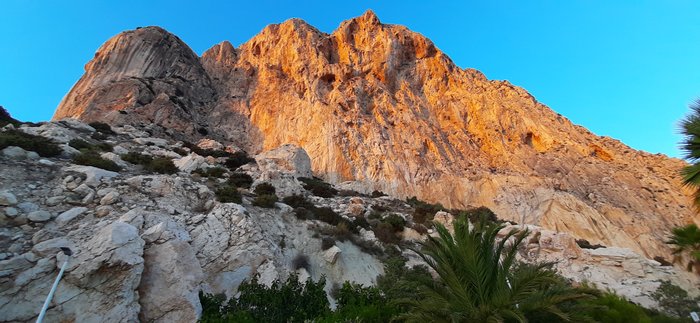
(68, 253)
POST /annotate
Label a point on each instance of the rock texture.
(383, 107)
(146, 243)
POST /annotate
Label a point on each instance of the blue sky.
(624, 69)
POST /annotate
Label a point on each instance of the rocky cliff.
(144, 243)
(378, 106)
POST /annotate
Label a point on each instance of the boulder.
(93, 175)
(39, 216)
(190, 163)
(15, 153)
(7, 198)
(170, 283)
(331, 255)
(67, 216)
(287, 158)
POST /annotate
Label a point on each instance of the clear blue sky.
(624, 69)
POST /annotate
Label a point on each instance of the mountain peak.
(369, 17)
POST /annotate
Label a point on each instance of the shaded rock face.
(146, 75)
(382, 106)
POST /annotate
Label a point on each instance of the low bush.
(92, 158)
(423, 212)
(376, 194)
(348, 193)
(386, 233)
(162, 165)
(342, 231)
(80, 144)
(327, 243)
(137, 158)
(289, 301)
(211, 172)
(675, 300)
(478, 214)
(362, 223)
(6, 119)
(241, 180)
(180, 151)
(301, 261)
(298, 201)
(238, 159)
(396, 221)
(228, 194)
(265, 201)
(327, 215)
(205, 152)
(102, 128)
(43, 146)
(98, 136)
(264, 189)
(318, 187)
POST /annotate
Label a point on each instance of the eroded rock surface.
(382, 106)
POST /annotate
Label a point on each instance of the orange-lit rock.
(381, 105)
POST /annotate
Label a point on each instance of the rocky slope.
(146, 243)
(380, 107)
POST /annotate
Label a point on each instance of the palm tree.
(687, 244)
(690, 128)
(480, 280)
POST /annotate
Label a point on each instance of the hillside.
(378, 106)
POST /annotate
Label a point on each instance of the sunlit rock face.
(381, 105)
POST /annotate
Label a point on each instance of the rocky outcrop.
(142, 76)
(383, 107)
(145, 244)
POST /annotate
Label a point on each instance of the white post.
(53, 288)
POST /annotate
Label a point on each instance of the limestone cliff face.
(381, 105)
(145, 75)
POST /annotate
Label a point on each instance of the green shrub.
(102, 127)
(80, 144)
(342, 231)
(241, 180)
(327, 215)
(675, 300)
(264, 189)
(376, 194)
(318, 187)
(137, 158)
(290, 301)
(301, 261)
(386, 233)
(362, 222)
(423, 212)
(98, 136)
(6, 119)
(43, 146)
(475, 215)
(265, 201)
(228, 194)
(211, 172)
(356, 303)
(238, 159)
(298, 201)
(327, 243)
(205, 152)
(400, 282)
(162, 165)
(92, 158)
(396, 222)
(180, 151)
